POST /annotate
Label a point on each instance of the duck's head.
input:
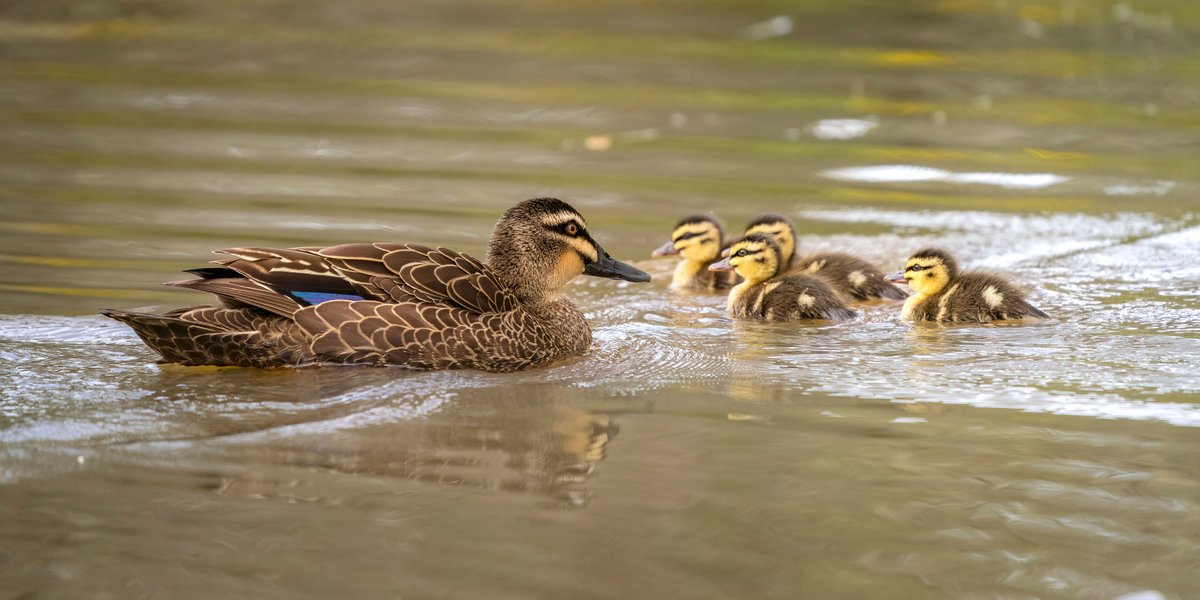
(541, 244)
(756, 257)
(927, 271)
(777, 226)
(696, 238)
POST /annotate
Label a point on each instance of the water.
(686, 455)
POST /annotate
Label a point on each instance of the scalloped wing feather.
(444, 275)
(287, 269)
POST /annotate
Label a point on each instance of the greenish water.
(686, 455)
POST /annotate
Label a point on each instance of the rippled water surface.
(686, 455)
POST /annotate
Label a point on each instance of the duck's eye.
(741, 252)
(572, 229)
(916, 268)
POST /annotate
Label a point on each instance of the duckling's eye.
(916, 268)
(571, 229)
(741, 252)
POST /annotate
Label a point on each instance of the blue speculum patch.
(319, 297)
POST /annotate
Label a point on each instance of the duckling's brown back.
(977, 297)
(789, 298)
(850, 276)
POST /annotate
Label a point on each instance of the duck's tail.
(211, 336)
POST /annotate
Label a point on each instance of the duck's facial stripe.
(585, 248)
(574, 230)
(559, 219)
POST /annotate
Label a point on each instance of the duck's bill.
(724, 251)
(895, 278)
(721, 265)
(667, 249)
(607, 266)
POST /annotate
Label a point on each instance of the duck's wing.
(284, 280)
(346, 271)
(434, 275)
(395, 273)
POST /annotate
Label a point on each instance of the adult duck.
(393, 304)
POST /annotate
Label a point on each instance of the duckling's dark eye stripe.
(916, 268)
(687, 236)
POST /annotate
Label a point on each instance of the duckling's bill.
(895, 278)
(722, 265)
(611, 268)
(667, 249)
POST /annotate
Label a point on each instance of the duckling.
(851, 277)
(945, 294)
(770, 294)
(697, 240)
(393, 304)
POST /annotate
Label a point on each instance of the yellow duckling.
(770, 294)
(697, 240)
(848, 275)
(943, 293)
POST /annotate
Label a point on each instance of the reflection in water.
(530, 439)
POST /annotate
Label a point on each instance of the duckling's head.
(540, 244)
(696, 238)
(756, 257)
(778, 227)
(928, 271)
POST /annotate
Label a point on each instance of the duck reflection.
(529, 438)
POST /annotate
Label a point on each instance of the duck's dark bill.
(606, 266)
(895, 278)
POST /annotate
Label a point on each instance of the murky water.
(686, 455)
